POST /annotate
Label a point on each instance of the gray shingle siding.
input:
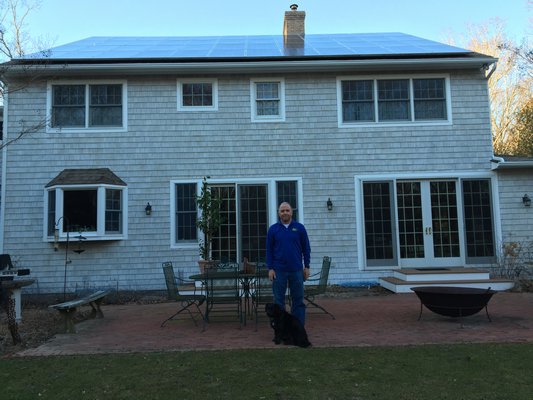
(164, 144)
(517, 220)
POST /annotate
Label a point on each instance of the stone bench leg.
(68, 318)
(96, 311)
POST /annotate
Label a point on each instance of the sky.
(63, 21)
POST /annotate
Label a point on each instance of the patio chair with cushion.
(186, 299)
(318, 284)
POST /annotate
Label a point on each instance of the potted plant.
(208, 222)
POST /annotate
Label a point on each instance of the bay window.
(90, 201)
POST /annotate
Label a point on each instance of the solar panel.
(365, 44)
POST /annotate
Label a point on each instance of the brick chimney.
(294, 23)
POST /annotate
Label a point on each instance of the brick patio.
(371, 320)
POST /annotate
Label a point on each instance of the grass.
(454, 372)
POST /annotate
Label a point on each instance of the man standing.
(288, 255)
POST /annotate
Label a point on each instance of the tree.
(16, 42)
(14, 38)
(510, 86)
(524, 130)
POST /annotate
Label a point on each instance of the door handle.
(428, 230)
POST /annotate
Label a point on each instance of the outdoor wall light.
(329, 204)
(526, 200)
(148, 209)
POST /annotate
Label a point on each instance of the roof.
(239, 47)
(119, 56)
(88, 176)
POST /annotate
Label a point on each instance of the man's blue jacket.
(287, 247)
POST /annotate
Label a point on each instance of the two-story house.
(381, 142)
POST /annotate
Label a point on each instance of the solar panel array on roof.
(368, 44)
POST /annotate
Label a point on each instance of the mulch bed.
(37, 326)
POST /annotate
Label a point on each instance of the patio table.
(245, 279)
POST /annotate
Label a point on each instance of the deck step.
(398, 285)
(440, 274)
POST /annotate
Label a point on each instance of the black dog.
(287, 328)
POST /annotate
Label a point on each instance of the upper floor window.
(394, 100)
(75, 106)
(198, 95)
(268, 100)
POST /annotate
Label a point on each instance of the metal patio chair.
(223, 291)
(261, 292)
(186, 299)
(319, 282)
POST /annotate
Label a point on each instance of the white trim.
(212, 107)
(86, 128)
(381, 124)
(253, 100)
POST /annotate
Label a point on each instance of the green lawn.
(454, 372)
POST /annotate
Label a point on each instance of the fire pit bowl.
(453, 301)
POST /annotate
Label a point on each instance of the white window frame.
(87, 83)
(253, 100)
(212, 107)
(100, 233)
(272, 202)
(412, 121)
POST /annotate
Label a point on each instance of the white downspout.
(4, 171)
(494, 66)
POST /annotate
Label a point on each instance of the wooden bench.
(68, 308)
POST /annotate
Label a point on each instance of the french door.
(429, 224)
(425, 223)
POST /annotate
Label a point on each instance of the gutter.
(229, 67)
(499, 163)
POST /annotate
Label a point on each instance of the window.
(268, 100)
(186, 212)
(379, 224)
(429, 99)
(87, 106)
(113, 211)
(198, 95)
(98, 212)
(393, 100)
(479, 229)
(287, 191)
(91, 201)
(358, 101)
